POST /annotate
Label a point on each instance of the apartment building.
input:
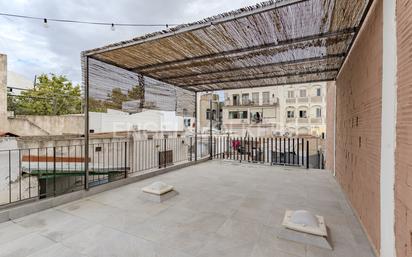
(267, 111)
(207, 112)
(254, 112)
(304, 109)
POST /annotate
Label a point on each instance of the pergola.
(272, 43)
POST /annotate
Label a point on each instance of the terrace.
(223, 208)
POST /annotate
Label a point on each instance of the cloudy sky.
(33, 49)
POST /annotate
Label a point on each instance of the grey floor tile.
(25, 245)
(10, 231)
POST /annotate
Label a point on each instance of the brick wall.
(403, 168)
(330, 131)
(358, 124)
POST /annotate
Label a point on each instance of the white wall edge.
(334, 130)
(388, 131)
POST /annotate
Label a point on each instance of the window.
(187, 123)
(318, 112)
(302, 93)
(245, 98)
(208, 114)
(291, 94)
(318, 92)
(302, 114)
(238, 115)
(265, 96)
(290, 114)
(235, 99)
(255, 98)
(233, 115)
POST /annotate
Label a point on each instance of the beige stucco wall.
(33, 125)
(403, 166)
(358, 124)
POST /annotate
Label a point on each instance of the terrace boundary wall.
(28, 207)
(358, 124)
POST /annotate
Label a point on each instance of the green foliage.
(115, 99)
(136, 93)
(52, 95)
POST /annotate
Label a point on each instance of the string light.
(112, 25)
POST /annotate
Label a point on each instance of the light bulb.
(45, 24)
(112, 28)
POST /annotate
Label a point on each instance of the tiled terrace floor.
(223, 209)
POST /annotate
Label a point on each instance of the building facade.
(304, 109)
(269, 111)
(205, 113)
(252, 112)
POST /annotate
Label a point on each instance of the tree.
(136, 93)
(115, 99)
(52, 95)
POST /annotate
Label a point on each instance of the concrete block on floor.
(158, 198)
(304, 238)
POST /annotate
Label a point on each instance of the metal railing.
(274, 151)
(36, 173)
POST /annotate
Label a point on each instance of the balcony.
(251, 104)
(316, 99)
(316, 120)
(223, 208)
(290, 100)
(303, 100)
(303, 120)
(290, 120)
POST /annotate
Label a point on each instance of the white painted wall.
(151, 120)
(388, 132)
(10, 173)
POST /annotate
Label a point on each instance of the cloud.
(33, 49)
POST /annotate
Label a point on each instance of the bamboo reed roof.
(272, 43)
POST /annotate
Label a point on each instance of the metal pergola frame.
(203, 78)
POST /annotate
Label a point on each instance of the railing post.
(54, 171)
(125, 159)
(307, 154)
(271, 151)
(214, 147)
(9, 176)
(303, 151)
(190, 149)
(164, 153)
(86, 127)
(288, 150)
(297, 151)
(211, 126)
(195, 126)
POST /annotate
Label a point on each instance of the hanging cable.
(111, 24)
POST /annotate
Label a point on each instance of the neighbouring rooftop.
(224, 208)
